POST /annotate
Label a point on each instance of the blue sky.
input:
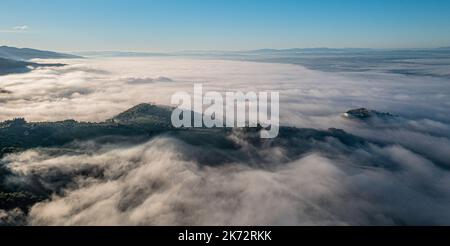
(159, 25)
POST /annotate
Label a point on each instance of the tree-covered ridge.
(141, 123)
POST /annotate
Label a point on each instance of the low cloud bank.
(161, 183)
(399, 176)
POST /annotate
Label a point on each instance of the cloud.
(21, 28)
(308, 98)
(127, 185)
(15, 29)
(147, 80)
(12, 217)
(398, 177)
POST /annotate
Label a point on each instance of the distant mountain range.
(120, 54)
(143, 121)
(15, 60)
(22, 54)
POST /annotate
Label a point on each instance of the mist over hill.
(78, 147)
(128, 165)
(12, 66)
(359, 119)
(15, 60)
(8, 66)
(14, 53)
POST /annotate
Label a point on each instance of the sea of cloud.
(404, 178)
